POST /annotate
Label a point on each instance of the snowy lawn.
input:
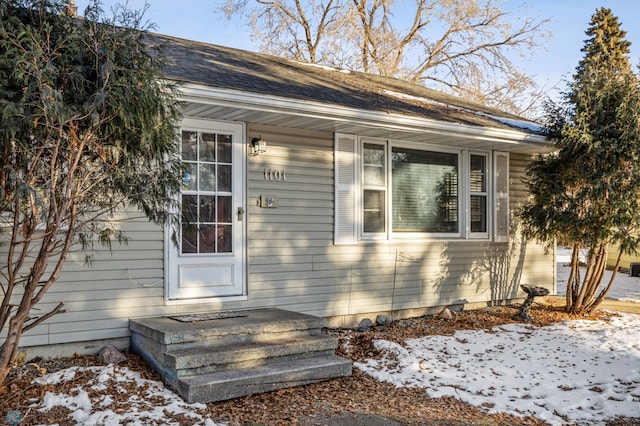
(624, 288)
(149, 402)
(588, 371)
(583, 371)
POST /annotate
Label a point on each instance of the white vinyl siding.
(100, 297)
(293, 261)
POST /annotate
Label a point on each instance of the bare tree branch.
(459, 46)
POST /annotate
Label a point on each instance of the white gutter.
(310, 109)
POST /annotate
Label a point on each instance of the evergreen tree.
(587, 193)
(87, 128)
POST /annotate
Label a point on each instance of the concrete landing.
(259, 351)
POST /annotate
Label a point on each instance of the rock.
(383, 320)
(456, 309)
(110, 355)
(365, 325)
(445, 314)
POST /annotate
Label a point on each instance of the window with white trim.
(478, 194)
(399, 190)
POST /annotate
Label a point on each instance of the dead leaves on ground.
(309, 405)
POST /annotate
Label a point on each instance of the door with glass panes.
(209, 259)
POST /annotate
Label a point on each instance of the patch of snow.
(322, 67)
(149, 399)
(584, 372)
(625, 287)
(521, 124)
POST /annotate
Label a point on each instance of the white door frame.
(229, 268)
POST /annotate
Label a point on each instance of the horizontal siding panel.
(116, 278)
(100, 295)
(111, 264)
(96, 334)
(281, 259)
(88, 324)
(291, 210)
(257, 278)
(294, 192)
(285, 204)
(289, 193)
(283, 244)
(281, 268)
(293, 235)
(116, 254)
(110, 305)
(277, 220)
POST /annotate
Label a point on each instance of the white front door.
(209, 259)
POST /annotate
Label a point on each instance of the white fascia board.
(305, 108)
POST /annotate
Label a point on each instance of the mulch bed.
(320, 403)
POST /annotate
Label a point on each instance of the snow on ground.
(148, 401)
(624, 287)
(588, 371)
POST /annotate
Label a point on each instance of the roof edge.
(270, 103)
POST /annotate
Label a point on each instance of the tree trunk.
(574, 276)
(604, 292)
(582, 301)
(10, 346)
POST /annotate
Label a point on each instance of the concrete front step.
(236, 383)
(258, 351)
(189, 362)
(255, 325)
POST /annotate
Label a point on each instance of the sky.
(551, 65)
(582, 372)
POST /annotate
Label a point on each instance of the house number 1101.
(277, 175)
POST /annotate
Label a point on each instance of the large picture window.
(409, 191)
(425, 191)
(389, 190)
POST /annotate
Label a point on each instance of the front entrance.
(209, 260)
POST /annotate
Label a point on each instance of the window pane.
(224, 178)
(374, 211)
(424, 191)
(190, 208)
(190, 177)
(189, 238)
(208, 147)
(207, 177)
(374, 165)
(224, 148)
(224, 209)
(190, 146)
(207, 239)
(478, 173)
(224, 239)
(207, 209)
(478, 211)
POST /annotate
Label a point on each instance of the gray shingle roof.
(240, 70)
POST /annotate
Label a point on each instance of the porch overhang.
(238, 106)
